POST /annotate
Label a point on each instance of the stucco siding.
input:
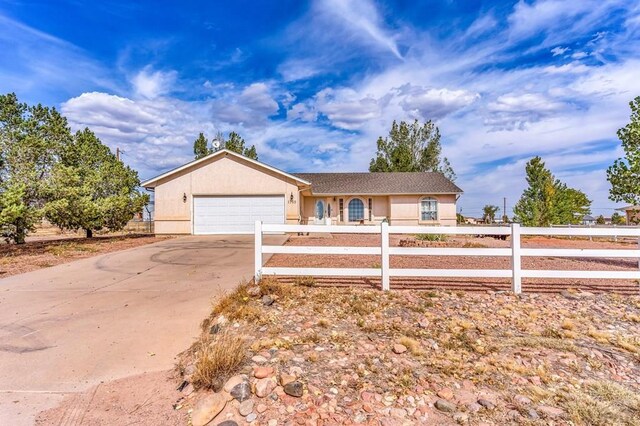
(224, 175)
(405, 210)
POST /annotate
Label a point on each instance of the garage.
(235, 214)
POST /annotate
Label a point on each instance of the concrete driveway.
(66, 328)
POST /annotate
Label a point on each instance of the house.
(588, 220)
(632, 213)
(225, 193)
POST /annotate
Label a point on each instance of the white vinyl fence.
(515, 252)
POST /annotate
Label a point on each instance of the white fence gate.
(515, 252)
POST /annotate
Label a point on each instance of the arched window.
(428, 209)
(319, 209)
(356, 210)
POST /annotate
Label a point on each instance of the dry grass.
(217, 358)
(603, 403)
(235, 306)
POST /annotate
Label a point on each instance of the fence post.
(384, 251)
(258, 252)
(516, 265)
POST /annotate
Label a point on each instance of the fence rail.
(515, 252)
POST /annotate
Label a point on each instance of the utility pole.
(504, 210)
(117, 153)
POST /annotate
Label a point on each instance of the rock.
(267, 300)
(294, 388)
(246, 408)
(445, 393)
(264, 387)
(460, 417)
(241, 391)
(486, 404)
(445, 406)
(423, 323)
(208, 408)
(253, 291)
(550, 412)
(262, 372)
(228, 423)
(522, 400)
(286, 378)
(234, 381)
(569, 295)
(251, 417)
(259, 359)
(474, 407)
(261, 408)
(399, 349)
(532, 414)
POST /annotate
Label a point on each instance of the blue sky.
(313, 84)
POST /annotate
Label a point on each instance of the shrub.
(307, 281)
(217, 358)
(431, 237)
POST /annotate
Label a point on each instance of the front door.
(320, 213)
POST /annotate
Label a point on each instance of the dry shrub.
(237, 305)
(217, 358)
(307, 281)
(603, 403)
(412, 345)
(272, 286)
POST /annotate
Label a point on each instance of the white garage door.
(235, 215)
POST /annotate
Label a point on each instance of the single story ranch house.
(225, 193)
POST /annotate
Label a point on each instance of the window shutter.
(370, 209)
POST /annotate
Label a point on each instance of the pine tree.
(201, 147)
(624, 174)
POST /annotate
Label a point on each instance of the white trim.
(148, 184)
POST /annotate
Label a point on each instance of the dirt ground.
(146, 399)
(467, 262)
(51, 251)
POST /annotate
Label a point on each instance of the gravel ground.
(339, 356)
(467, 262)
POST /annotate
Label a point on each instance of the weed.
(217, 358)
(471, 244)
(323, 322)
(431, 237)
(412, 345)
(306, 281)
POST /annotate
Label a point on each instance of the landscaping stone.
(399, 349)
(208, 408)
(486, 404)
(445, 406)
(522, 400)
(228, 423)
(294, 388)
(445, 393)
(246, 407)
(550, 412)
(233, 381)
(252, 417)
(264, 387)
(259, 359)
(241, 391)
(267, 300)
(262, 372)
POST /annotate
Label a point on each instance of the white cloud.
(557, 51)
(422, 103)
(151, 84)
(250, 107)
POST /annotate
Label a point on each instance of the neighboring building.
(632, 213)
(225, 193)
(588, 220)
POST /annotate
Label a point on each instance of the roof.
(627, 208)
(379, 183)
(151, 183)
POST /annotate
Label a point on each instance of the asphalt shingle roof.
(379, 183)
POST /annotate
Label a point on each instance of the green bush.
(431, 237)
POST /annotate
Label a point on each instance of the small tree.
(548, 201)
(411, 148)
(236, 143)
(30, 139)
(90, 189)
(624, 174)
(489, 213)
(201, 147)
(460, 219)
(600, 220)
(618, 219)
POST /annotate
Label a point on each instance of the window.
(370, 209)
(428, 209)
(341, 210)
(356, 210)
(319, 210)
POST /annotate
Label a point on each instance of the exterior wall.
(224, 175)
(379, 211)
(399, 209)
(405, 210)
